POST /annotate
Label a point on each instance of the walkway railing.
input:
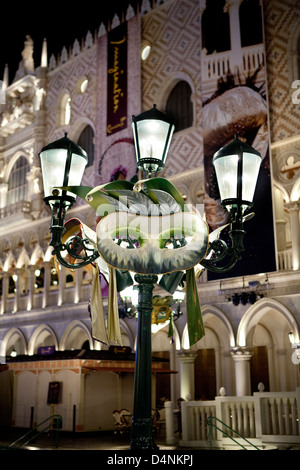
(228, 433)
(53, 423)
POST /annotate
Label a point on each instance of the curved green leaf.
(80, 191)
(164, 185)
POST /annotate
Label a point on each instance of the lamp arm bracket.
(220, 249)
(74, 246)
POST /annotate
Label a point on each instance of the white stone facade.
(56, 312)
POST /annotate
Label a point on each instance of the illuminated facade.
(43, 304)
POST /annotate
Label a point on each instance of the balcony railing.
(21, 207)
(266, 418)
(285, 260)
(219, 64)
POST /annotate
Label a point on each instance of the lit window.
(17, 183)
(64, 111)
(146, 49)
(84, 85)
(68, 111)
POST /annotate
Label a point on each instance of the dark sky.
(60, 23)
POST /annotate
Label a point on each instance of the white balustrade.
(219, 64)
(285, 260)
(264, 418)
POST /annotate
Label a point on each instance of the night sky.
(60, 23)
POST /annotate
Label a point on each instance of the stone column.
(47, 283)
(232, 6)
(241, 357)
(31, 290)
(170, 432)
(281, 369)
(62, 285)
(18, 287)
(5, 285)
(78, 285)
(187, 374)
(293, 208)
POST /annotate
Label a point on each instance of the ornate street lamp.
(152, 132)
(174, 242)
(63, 164)
(237, 166)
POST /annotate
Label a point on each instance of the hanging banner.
(234, 102)
(117, 79)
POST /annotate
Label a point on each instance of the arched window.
(86, 141)
(17, 183)
(180, 106)
(64, 111)
(250, 15)
(215, 27)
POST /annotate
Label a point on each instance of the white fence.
(264, 419)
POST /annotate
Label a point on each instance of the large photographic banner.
(117, 79)
(234, 102)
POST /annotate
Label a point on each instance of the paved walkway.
(77, 441)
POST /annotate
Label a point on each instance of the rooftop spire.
(44, 57)
(5, 76)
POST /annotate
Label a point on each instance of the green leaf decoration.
(167, 203)
(138, 202)
(80, 191)
(159, 197)
(163, 185)
(123, 279)
(170, 281)
(171, 329)
(194, 316)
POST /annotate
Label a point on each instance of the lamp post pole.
(142, 427)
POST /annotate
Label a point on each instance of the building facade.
(172, 60)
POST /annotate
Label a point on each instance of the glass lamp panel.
(152, 135)
(53, 163)
(78, 165)
(226, 172)
(251, 165)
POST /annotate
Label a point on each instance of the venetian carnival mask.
(152, 244)
(145, 228)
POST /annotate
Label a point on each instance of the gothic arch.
(23, 259)
(64, 99)
(9, 262)
(161, 341)
(295, 193)
(37, 254)
(168, 86)
(12, 161)
(257, 311)
(282, 190)
(70, 329)
(40, 329)
(225, 323)
(5, 343)
(293, 51)
(78, 126)
(48, 255)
